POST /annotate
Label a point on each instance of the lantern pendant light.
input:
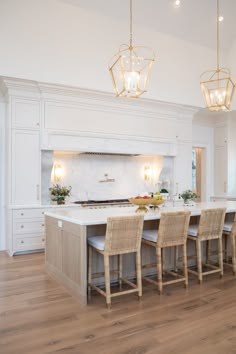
(217, 85)
(130, 67)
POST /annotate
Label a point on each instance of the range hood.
(107, 154)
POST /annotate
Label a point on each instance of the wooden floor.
(39, 316)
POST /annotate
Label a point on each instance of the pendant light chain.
(131, 24)
(218, 35)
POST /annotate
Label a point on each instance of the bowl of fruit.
(142, 202)
(157, 200)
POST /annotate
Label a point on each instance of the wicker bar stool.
(210, 227)
(172, 232)
(229, 233)
(123, 235)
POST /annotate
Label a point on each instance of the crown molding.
(97, 99)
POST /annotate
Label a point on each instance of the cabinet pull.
(21, 241)
(22, 226)
(37, 191)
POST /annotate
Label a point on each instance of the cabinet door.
(25, 167)
(25, 113)
(220, 170)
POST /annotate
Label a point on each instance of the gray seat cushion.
(97, 242)
(228, 226)
(150, 235)
(193, 230)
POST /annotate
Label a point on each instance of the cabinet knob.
(22, 226)
(42, 224)
(22, 241)
(37, 124)
(22, 214)
(43, 212)
(43, 239)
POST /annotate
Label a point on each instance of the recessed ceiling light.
(221, 18)
(177, 3)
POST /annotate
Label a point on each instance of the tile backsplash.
(123, 175)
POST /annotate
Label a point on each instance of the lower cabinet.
(28, 230)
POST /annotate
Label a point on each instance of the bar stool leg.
(159, 270)
(199, 260)
(185, 269)
(90, 255)
(220, 253)
(226, 248)
(107, 280)
(176, 258)
(208, 255)
(139, 274)
(120, 270)
(233, 246)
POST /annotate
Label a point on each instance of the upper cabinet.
(25, 113)
(220, 135)
(25, 166)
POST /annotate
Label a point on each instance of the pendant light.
(217, 85)
(130, 67)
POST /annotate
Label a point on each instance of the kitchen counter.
(87, 216)
(66, 241)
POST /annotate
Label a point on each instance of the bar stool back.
(210, 228)
(172, 232)
(229, 232)
(123, 235)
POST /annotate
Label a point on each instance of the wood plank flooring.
(38, 316)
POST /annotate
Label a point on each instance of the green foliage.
(188, 194)
(163, 190)
(58, 193)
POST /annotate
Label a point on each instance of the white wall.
(203, 136)
(57, 42)
(2, 175)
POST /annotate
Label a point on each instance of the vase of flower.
(59, 193)
(188, 197)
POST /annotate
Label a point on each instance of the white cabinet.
(221, 159)
(25, 167)
(221, 170)
(25, 113)
(28, 230)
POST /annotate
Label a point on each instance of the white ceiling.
(194, 21)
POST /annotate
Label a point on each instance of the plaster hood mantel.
(75, 119)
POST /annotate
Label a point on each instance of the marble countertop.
(86, 216)
(45, 206)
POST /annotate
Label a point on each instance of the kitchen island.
(66, 240)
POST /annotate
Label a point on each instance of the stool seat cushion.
(193, 230)
(228, 226)
(150, 235)
(97, 242)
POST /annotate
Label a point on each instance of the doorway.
(199, 173)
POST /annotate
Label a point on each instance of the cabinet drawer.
(28, 213)
(28, 226)
(30, 243)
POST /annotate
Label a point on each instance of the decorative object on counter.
(59, 193)
(143, 202)
(217, 85)
(188, 197)
(130, 67)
